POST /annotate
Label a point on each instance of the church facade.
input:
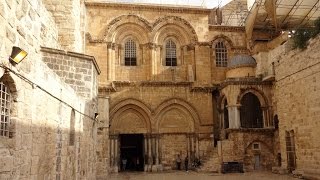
(188, 88)
(113, 87)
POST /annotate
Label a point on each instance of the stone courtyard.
(112, 87)
(191, 175)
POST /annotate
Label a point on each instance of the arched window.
(221, 55)
(171, 53)
(5, 99)
(250, 112)
(130, 55)
(226, 114)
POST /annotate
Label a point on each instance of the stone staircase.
(210, 162)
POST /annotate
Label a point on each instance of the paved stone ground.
(197, 176)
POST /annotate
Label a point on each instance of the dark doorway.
(250, 112)
(131, 149)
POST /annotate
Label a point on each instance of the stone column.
(189, 152)
(192, 139)
(157, 149)
(111, 61)
(264, 117)
(146, 161)
(150, 151)
(111, 151)
(234, 116)
(197, 146)
(117, 157)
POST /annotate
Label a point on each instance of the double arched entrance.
(150, 140)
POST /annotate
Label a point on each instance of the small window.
(221, 55)
(256, 146)
(5, 111)
(130, 57)
(171, 53)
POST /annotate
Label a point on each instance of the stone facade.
(217, 113)
(51, 124)
(297, 98)
(173, 107)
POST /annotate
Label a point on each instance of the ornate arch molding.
(260, 95)
(223, 38)
(181, 25)
(179, 104)
(137, 22)
(131, 104)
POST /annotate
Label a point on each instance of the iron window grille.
(221, 55)
(5, 111)
(130, 53)
(171, 53)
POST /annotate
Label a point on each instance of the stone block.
(6, 164)
(3, 10)
(10, 35)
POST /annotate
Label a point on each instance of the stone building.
(219, 85)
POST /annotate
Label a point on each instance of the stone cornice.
(72, 54)
(226, 28)
(107, 89)
(207, 89)
(244, 81)
(165, 83)
(252, 130)
(150, 7)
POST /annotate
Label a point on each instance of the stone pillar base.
(157, 168)
(147, 168)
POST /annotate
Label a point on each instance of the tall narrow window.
(221, 55)
(72, 132)
(171, 53)
(291, 150)
(5, 110)
(130, 57)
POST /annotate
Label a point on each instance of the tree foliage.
(302, 36)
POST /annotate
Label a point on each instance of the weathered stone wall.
(69, 17)
(239, 147)
(40, 147)
(78, 70)
(171, 147)
(49, 140)
(297, 97)
(109, 24)
(154, 95)
(26, 24)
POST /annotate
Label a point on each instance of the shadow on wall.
(48, 139)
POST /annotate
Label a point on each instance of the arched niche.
(174, 25)
(130, 116)
(175, 119)
(172, 108)
(128, 29)
(222, 38)
(129, 121)
(259, 94)
(130, 24)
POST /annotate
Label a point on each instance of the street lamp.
(17, 55)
